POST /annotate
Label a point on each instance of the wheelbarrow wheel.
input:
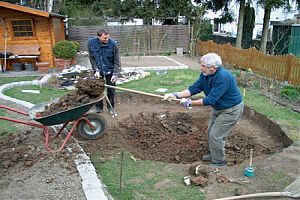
(86, 132)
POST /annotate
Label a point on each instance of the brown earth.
(86, 91)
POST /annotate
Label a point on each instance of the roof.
(29, 10)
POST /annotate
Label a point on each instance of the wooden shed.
(29, 34)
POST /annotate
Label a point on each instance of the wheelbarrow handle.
(138, 92)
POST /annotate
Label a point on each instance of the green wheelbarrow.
(89, 125)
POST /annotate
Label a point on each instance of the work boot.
(206, 157)
(218, 164)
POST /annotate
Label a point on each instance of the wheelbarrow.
(88, 125)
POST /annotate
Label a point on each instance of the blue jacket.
(104, 57)
(220, 89)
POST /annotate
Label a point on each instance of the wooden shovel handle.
(138, 92)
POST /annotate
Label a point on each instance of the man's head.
(103, 35)
(209, 63)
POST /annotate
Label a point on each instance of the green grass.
(46, 94)
(6, 127)
(266, 107)
(4, 80)
(174, 80)
(140, 179)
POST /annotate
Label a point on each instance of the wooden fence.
(282, 68)
(137, 39)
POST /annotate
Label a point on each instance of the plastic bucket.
(17, 67)
(29, 67)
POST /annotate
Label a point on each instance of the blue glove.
(186, 102)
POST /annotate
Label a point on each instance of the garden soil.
(157, 130)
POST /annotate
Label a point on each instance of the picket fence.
(279, 67)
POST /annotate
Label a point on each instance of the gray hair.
(211, 59)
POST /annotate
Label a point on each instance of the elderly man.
(105, 61)
(222, 93)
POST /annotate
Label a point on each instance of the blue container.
(17, 66)
(249, 172)
(29, 67)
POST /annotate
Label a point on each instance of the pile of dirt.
(87, 90)
(182, 138)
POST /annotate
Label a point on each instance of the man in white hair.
(222, 93)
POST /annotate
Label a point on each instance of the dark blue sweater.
(220, 89)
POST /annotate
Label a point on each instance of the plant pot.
(62, 64)
(73, 61)
(43, 67)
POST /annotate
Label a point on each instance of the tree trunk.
(264, 37)
(240, 25)
(50, 6)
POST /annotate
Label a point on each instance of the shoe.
(218, 164)
(99, 110)
(206, 157)
(111, 111)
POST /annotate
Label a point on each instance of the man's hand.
(97, 75)
(114, 78)
(186, 102)
(170, 96)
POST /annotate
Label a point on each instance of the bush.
(64, 49)
(77, 45)
(289, 92)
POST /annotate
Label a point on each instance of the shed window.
(22, 28)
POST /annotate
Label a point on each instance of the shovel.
(138, 92)
(293, 191)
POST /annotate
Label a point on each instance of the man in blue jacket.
(223, 95)
(105, 61)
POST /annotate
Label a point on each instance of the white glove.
(186, 102)
(114, 78)
(169, 96)
(97, 75)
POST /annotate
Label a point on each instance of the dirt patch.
(170, 134)
(87, 91)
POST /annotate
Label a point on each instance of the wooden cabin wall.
(44, 32)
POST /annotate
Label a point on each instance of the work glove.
(186, 102)
(114, 78)
(170, 96)
(97, 75)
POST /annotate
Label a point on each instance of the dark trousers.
(110, 92)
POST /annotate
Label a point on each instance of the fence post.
(289, 65)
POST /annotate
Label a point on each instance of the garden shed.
(27, 36)
(286, 38)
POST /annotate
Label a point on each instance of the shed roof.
(29, 10)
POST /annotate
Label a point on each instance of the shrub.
(289, 92)
(77, 45)
(64, 49)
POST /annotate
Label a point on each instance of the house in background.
(29, 34)
(230, 29)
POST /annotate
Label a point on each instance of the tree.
(249, 23)
(268, 5)
(239, 36)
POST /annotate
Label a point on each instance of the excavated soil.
(86, 91)
(154, 130)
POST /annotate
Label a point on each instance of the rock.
(15, 157)
(199, 180)
(28, 163)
